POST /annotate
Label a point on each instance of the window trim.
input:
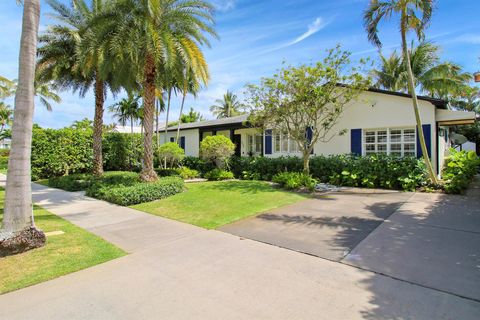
(281, 142)
(389, 142)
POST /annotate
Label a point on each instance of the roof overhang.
(453, 117)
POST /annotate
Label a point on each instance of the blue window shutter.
(182, 143)
(309, 135)
(427, 133)
(356, 141)
(268, 141)
(172, 139)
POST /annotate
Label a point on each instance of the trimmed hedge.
(141, 192)
(219, 174)
(59, 152)
(123, 188)
(459, 170)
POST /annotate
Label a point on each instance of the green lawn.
(74, 250)
(213, 204)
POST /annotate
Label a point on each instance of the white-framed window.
(393, 141)
(283, 143)
(254, 143)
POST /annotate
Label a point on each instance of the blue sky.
(256, 36)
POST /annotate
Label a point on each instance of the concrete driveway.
(432, 240)
(178, 271)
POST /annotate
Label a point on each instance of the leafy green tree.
(414, 16)
(191, 116)
(84, 124)
(152, 36)
(228, 106)
(73, 56)
(307, 98)
(171, 153)
(217, 149)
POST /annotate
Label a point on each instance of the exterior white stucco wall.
(192, 143)
(378, 111)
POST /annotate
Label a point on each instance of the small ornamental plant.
(217, 149)
(171, 154)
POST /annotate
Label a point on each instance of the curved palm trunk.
(411, 89)
(98, 128)
(167, 114)
(148, 174)
(18, 230)
(157, 128)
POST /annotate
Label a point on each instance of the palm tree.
(126, 110)
(432, 77)
(227, 107)
(43, 90)
(191, 84)
(18, 231)
(380, 10)
(6, 117)
(152, 35)
(71, 55)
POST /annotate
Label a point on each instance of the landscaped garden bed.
(70, 249)
(123, 188)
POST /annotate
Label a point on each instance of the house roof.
(211, 123)
(439, 103)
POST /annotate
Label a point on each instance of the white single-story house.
(379, 121)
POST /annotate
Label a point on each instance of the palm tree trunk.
(166, 121)
(411, 89)
(98, 128)
(132, 144)
(18, 231)
(148, 174)
(180, 116)
(167, 114)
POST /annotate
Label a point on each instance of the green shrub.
(187, 173)
(3, 162)
(217, 149)
(219, 174)
(459, 169)
(4, 152)
(161, 172)
(374, 171)
(171, 153)
(141, 192)
(73, 182)
(122, 151)
(198, 164)
(295, 180)
(263, 168)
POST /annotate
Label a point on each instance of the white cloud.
(313, 28)
(224, 5)
(469, 38)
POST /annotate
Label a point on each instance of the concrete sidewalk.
(177, 271)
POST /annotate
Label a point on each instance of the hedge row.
(58, 152)
(123, 188)
(375, 171)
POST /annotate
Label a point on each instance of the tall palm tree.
(151, 34)
(71, 55)
(191, 82)
(228, 106)
(18, 231)
(6, 87)
(431, 77)
(414, 15)
(126, 110)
